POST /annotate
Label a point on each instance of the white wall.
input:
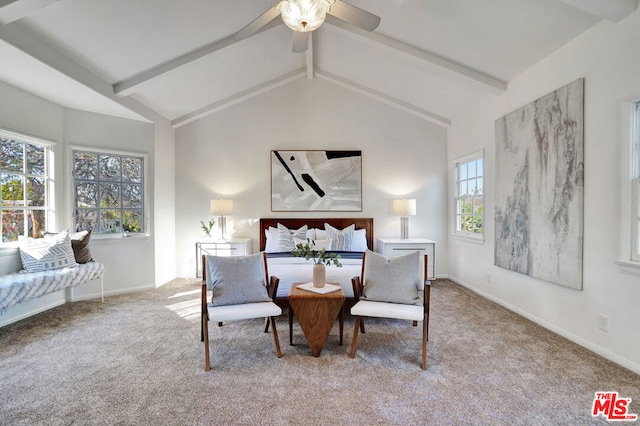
(608, 57)
(129, 262)
(227, 154)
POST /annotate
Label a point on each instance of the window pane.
(109, 195)
(12, 190)
(35, 191)
(86, 219)
(132, 169)
(463, 171)
(472, 187)
(480, 186)
(12, 158)
(109, 167)
(35, 160)
(86, 195)
(36, 220)
(109, 221)
(85, 165)
(132, 220)
(463, 188)
(12, 225)
(480, 165)
(131, 195)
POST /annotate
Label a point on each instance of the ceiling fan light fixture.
(304, 15)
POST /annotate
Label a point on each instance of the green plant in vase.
(207, 227)
(320, 257)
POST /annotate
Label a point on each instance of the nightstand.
(399, 247)
(234, 247)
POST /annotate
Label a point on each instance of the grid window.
(469, 196)
(108, 192)
(24, 177)
(635, 184)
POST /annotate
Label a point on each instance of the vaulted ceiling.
(179, 59)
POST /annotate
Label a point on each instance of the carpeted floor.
(137, 359)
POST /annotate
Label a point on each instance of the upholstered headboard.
(295, 223)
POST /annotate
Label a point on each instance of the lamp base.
(404, 227)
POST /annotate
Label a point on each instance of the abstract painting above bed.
(316, 180)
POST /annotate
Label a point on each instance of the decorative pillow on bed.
(50, 252)
(318, 244)
(359, 242)
(236, 279)
(341, 240)
(393, 280)
(285, 237)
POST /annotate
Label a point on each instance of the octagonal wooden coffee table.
(316, 314)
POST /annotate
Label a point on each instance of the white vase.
(319, 273)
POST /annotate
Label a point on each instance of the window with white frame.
(108, 192)
(469, 195)
(26, 188)
(635, 182)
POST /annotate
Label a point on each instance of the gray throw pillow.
(393, 280)
(286, 236)
(236, 279)
(341, 240)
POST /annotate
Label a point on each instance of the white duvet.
(299, 270)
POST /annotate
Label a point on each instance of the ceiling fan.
(304, 16)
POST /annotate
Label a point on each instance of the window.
(469, 195)
(108, 192)
(24, 173)
(635, 184)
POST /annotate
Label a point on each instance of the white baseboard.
(605, 353)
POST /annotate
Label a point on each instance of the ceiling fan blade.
(300, 41)
(259, 23)
(354, 15)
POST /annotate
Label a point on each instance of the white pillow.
(50, 252)
(318, 244)
(321, 234)
(341, 240)
(359, 242)
(271, 243)
(285, 237)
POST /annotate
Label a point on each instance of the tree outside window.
(109, 196)
(24, 181)
(469, 197)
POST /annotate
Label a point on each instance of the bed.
(298, 270)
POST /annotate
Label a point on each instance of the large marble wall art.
(539, 187)
(316, 180)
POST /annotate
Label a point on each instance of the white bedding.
(299, 270)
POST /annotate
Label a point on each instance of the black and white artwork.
(539, 187)
(316, 180)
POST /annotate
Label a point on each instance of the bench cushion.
(21, 286)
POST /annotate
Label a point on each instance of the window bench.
(20, 286)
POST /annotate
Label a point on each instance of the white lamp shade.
(222, 207)
(304, 15)
(404, 207)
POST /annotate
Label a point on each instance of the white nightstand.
(234, 247)
(399, 247)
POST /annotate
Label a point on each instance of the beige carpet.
(138, 359)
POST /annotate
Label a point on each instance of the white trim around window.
(145, 188)
(468, 196)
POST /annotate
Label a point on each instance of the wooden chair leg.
(352, 353)
(275, 337)
(415, 323)
(290, 326)
(341, 322)
(266, 325)
(205, 328)
(425, 338)
(362, 326)
(220, 324)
